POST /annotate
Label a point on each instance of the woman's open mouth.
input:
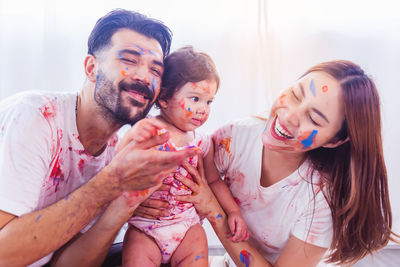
(279, 131)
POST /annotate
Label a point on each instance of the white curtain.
(259, 46)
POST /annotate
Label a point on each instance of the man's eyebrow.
(320, 114)
(128, 51)
(159, 63)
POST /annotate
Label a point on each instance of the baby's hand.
(238, 227)
(141, 131)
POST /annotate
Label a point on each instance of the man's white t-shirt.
(41, 157)
(290, 207)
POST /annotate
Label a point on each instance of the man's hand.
(140, 132)
(137, 166)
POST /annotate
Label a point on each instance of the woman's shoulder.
(247, 123)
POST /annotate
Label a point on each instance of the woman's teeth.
(280, 131)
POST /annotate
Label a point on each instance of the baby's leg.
(139, 249)
(193, 251)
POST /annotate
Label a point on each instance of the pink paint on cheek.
(182, 103)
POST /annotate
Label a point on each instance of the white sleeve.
(315, 224)
(222, 139)
(25, 156)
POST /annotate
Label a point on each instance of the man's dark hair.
(118, 19)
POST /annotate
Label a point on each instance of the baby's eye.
(194, 98)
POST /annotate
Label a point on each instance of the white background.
(259, 47)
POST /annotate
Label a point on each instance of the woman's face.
(306, 116)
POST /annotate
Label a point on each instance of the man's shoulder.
(35, 101)
(36, 98)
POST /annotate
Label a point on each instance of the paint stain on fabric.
(312, 87)
(282, 99)
(80, 165)
(245, 257)
(226, 144)
(309, 140)
(48, 110)
(325, 88)
(56, 173)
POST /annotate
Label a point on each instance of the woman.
(310, 178)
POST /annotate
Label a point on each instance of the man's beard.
(109, 97)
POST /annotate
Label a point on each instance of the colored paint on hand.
(312, 88)
(309, 140)
(245, 257)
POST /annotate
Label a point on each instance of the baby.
(190, 82)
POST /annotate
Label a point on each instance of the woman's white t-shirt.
(290, 207)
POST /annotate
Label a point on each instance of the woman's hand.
(202, 197)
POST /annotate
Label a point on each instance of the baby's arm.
(236, 222)
(141, 131)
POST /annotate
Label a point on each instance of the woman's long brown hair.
(354, 172)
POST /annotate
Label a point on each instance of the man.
(57, 165)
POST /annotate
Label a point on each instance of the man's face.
(129, 75)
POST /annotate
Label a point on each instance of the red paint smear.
(325, 88)
(124, 73)
(48, 110)
(56, 173)
(113, 140)
(80, 164)
(194, 86)
(198, 144)
(182, 104)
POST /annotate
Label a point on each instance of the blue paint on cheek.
(308, 142)
(189, 109)
(153, 84)
(312, 88)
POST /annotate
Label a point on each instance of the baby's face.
(189, 107)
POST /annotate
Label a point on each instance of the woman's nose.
(292, 116)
